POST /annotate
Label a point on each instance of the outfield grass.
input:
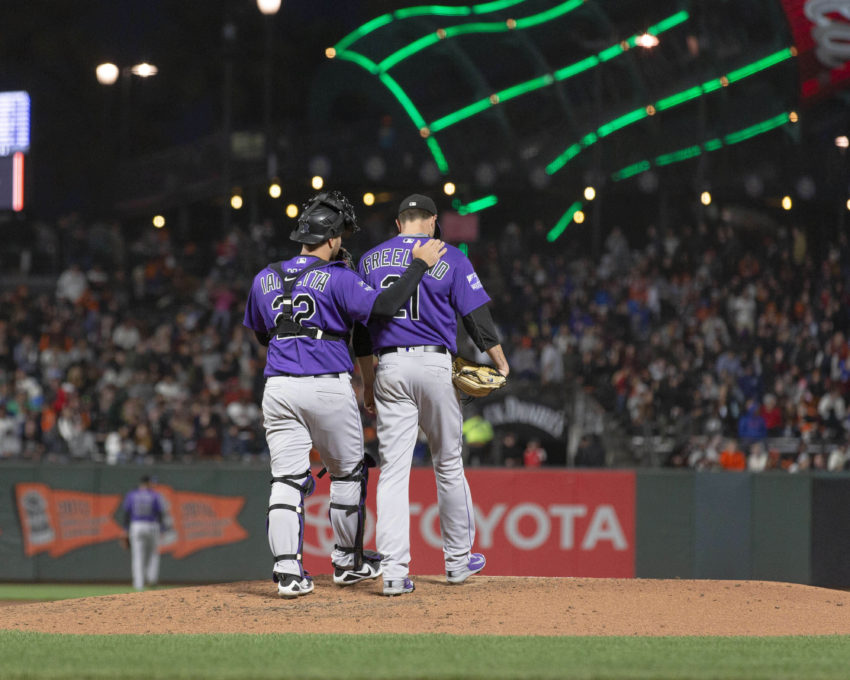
(60, 591)
(39, 656)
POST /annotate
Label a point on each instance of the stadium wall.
(61, 523)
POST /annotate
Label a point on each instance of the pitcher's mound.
(484, 605)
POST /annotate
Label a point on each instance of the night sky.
(50, 48)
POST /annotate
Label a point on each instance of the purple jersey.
(330, 297)
(429, 318)
(143, 505)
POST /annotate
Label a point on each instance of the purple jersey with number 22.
(330, 297)
(429, 318)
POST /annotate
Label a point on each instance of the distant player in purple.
(414, 389)
(144, 516)
(304, 309)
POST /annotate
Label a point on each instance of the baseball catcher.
(476, 380)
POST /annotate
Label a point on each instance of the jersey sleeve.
(467, 293)
(355, 296)
(253, 316)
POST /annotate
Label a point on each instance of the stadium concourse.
(709, 346)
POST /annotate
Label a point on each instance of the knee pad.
(359, 476)
(304, 485)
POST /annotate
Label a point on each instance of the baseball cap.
(418, 201)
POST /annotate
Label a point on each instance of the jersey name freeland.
(449, 288)
(400, 257)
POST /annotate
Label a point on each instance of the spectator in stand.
(839, 457)
(534, 454)
(551, 364)
(72, 284)
(832, 411)
(758, 459)
(732, 457)
(590, 452)
(510, 451)
(751, 425)
(771, 413)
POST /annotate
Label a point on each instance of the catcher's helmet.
(326, 215)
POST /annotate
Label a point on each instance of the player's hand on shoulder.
(431, 251)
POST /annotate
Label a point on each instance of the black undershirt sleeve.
(479, 324)
(391, 299)
(263, 338)
(360, 341)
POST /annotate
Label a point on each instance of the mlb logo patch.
(364, 285)
(409, 240)
(474, 282)
(301, 260)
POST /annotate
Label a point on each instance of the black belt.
(440, 349)
(299, 375)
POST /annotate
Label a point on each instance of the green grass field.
(34, 656)
(41, 656)
(60, 591)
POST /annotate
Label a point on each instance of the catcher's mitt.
(344, 256)
(476, 380)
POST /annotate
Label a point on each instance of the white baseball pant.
(144, 551)
(414, 389)
(302, 412)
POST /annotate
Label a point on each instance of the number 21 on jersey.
(412, 304)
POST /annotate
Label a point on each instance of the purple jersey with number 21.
(429, 318)
(330, 297)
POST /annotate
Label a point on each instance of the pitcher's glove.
(344, 256)
(476, 380)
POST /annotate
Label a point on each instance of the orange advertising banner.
(199, 521)
(57, 521)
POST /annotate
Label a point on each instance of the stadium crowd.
(729, 343)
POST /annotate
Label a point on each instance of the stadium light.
(274, 189)
(787, 203)
(107, 73)
(449, 188)
(292, 211)
(268, 7)
(705, 198)
(369, 198)
(317, 182)
(158, 221)
(589, 193)
(647, 41)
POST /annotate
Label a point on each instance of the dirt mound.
(485, 605)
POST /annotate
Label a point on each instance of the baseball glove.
(476, 380)
(344, 256)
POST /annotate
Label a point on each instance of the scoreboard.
(14, 144)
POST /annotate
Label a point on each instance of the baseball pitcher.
(413, 388)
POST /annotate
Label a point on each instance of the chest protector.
(286, 327)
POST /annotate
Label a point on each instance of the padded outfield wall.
(61, 524)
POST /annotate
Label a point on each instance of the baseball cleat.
(290, 586)
(371, 569)
(476, 563)
(398, 586)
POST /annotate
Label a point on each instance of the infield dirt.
(484, 605)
